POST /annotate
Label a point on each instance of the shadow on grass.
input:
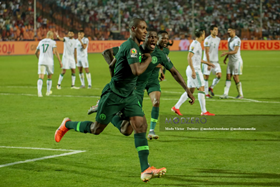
(224, 178)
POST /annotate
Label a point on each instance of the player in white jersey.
(194, 74)
(82, 45)
(69, 58)
(46, 47)
(211, 54)
(235, 64)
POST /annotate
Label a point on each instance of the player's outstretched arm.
(231, 52)
(111, 67)
(37, 53)
(108, 55)
(61, 39)
(208, 63)
(178, 77)
(139, 68)
(57, 56)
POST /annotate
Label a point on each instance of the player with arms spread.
(235, 64)
(194, 74)
(118, 96)
(46, 47)
(69, 59)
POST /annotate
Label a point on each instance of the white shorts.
(214, 71)
(198, 81)
(45, 69)
(83, 62)
(68, 63)
(235, 67)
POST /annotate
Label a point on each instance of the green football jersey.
(115, 50)
(123, 82)
(165, 51)
(158, 57)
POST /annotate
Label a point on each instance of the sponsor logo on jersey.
(133, 53)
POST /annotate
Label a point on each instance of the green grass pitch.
(193, 159)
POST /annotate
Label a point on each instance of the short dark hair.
(162, 32)
(212, 27)
(134, 22)
(232, 27)
(70, 30)
(81, 30)
(198, 32)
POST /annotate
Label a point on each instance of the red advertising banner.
(26, 48)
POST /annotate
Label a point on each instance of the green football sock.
(154, 117)
(80, 126)
(142, 147)
(117, 121)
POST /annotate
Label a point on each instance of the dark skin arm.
(178, 77)
(139, 68)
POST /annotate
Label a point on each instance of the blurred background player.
(211, 54)
(235, 63)
(69, 59)
(194, 74)
(82, 45)
(47, 48)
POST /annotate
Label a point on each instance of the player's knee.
(219, 76)
(156, 102)
(96, 128)
(126, 128)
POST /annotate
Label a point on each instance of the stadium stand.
(99, 18)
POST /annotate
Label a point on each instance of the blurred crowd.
(100, 18)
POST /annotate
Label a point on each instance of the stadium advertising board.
(29, 47)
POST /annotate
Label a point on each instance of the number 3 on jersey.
(45, 47)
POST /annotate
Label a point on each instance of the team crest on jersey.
(154, 59)
(192, 48)
(206, 43)
(133, 53)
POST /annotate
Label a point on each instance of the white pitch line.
(244, 100)
(41, 158)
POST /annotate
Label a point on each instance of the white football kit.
(82, 55)
(196, 49)
(68, 59)
(46, 64)
(213, 44)
(235, 63)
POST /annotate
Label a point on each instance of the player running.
(118, 95)
(235, 63)
(46, 47)
(194, 74)
(82, 45)
(69, 59)
(211, 54)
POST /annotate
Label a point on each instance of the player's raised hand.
(79, 36)
(56, 33)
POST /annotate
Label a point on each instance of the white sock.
(88, 75)
(239, 89)
(60, 79)
(81, 75)
(201, 99)
(49, 85)
(226, 90)
(73, 79)
(39, 85)
(215, 82)
(206, 87)
(182, 99)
